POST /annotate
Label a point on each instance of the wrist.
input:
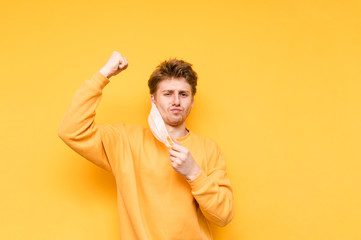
(104, 73)
(194, 174)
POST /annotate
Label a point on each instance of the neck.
(177, 131)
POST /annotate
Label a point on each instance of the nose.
(176, 99)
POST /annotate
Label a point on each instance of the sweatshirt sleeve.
(78, 129)
(213, 192)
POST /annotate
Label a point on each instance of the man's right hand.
(115, 64)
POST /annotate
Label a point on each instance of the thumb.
(175, 141)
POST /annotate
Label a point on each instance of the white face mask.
(158, 128)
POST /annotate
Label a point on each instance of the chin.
(175, 122)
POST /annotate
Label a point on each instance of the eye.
(184, 94)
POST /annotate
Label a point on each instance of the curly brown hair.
(173, 68)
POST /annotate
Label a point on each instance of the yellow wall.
(279, 90)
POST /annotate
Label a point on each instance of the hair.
(173, 68)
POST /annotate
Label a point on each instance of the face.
(174, 100)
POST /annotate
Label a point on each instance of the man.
(163, 192)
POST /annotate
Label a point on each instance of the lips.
(176, 110)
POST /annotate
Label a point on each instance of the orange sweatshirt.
(154, 201)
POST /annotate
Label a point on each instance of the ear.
(152, 98)
(192, 102)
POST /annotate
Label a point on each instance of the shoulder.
(202, 138)
(208, 143)
(207, 149)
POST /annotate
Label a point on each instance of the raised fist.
(115, 64)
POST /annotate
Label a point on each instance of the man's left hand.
(183, 162)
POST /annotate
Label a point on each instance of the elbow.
(226, 219)
(63, 134)
(69, 133)
(229, 218)
(223, 215)
(227, 214)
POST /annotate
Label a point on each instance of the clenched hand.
(115, 64)
(182, 161)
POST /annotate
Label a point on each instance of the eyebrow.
(171, 90)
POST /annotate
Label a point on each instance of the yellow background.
(279, 90)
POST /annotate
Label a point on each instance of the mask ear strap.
(170, 142)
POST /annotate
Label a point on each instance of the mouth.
(176, 110)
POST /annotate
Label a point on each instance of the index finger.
(178, 147)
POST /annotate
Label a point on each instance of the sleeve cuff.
(199, 181)
(99, 80)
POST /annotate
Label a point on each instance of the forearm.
(79, 118)
(78, 129)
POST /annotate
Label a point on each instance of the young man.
(171, 189)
